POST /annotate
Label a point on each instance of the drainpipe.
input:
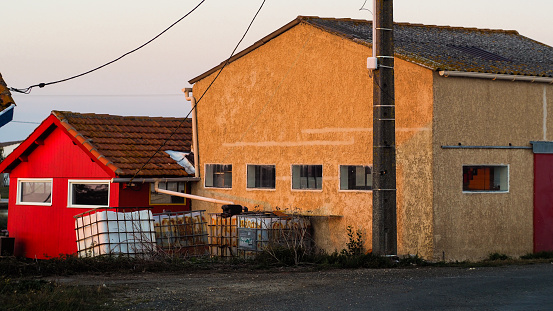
(190, 196)
(192, 101)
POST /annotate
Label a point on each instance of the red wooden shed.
(74, 162)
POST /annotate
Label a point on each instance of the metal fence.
(182, 233)
(247, 234)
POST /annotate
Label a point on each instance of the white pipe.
(190, 196)
(192, 101)
(495, 76)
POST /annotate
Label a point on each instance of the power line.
(25, 122)
(41, 85)
(207, 89)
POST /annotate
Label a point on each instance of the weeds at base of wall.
(30, 294)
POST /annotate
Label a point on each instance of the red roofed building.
(75, 162)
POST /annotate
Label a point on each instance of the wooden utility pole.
(384, 230)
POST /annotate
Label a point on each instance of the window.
(486, 178)
(34, 191)
(307, 177)
(87, 193)
(218, 175)
(356, 177)
(261, 176)
(157, 198)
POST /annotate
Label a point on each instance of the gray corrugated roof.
(454, 48)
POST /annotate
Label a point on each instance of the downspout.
(189, 196)
(192, 101)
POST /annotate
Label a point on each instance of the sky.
(44, 41)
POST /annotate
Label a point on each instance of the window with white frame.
(218, 175)
(261, 176)
(309, 177)
(88, 193)
(157, 198)
(485, 178)
(34, 191)
(356, 177)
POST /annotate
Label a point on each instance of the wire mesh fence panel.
(266, 231)
(247, 234)
(124, 232)
(182, 233)
(222, 235)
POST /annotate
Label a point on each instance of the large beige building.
(288, 125)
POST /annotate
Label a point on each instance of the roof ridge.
(307, 18)
(61, 114)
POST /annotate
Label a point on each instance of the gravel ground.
(499, 288)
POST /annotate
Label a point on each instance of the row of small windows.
(479, 178)
(81, 193)
(308, 177)
(88, 193)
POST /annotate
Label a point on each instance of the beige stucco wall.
(305, 97)
(480, 112)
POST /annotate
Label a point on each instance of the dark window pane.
(355, 177)
(307, 177)
(261, 176)
(90, 194)
(218, 175)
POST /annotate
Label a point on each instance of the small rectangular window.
(218, 175)
(307, 177)
(261, 176)
(88, 193)
(355, 177)
(157, 198)
(34, 191)
(485, 178)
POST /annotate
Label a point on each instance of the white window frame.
(70, 182)
(20, 180)
(505, 179)
(353, 190)
(206, 176)
(305, 189)
(259, 188)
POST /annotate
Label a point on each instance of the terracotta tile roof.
(437, 47)
(128, 142)
(454, 48)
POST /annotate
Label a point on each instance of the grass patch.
(30, 294)
(498, 256)
(540, 255)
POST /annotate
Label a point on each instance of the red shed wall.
(139, 196)
(48, 231)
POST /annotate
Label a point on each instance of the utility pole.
(384, 230)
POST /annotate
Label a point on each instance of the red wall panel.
(543, 202)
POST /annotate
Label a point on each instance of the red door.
(543, 202)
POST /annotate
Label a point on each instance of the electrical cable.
(41, 85)
(203, 94)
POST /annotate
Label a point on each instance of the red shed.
(74, 162)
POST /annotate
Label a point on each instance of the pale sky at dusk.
(44, 41)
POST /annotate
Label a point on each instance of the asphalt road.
(527, 287)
